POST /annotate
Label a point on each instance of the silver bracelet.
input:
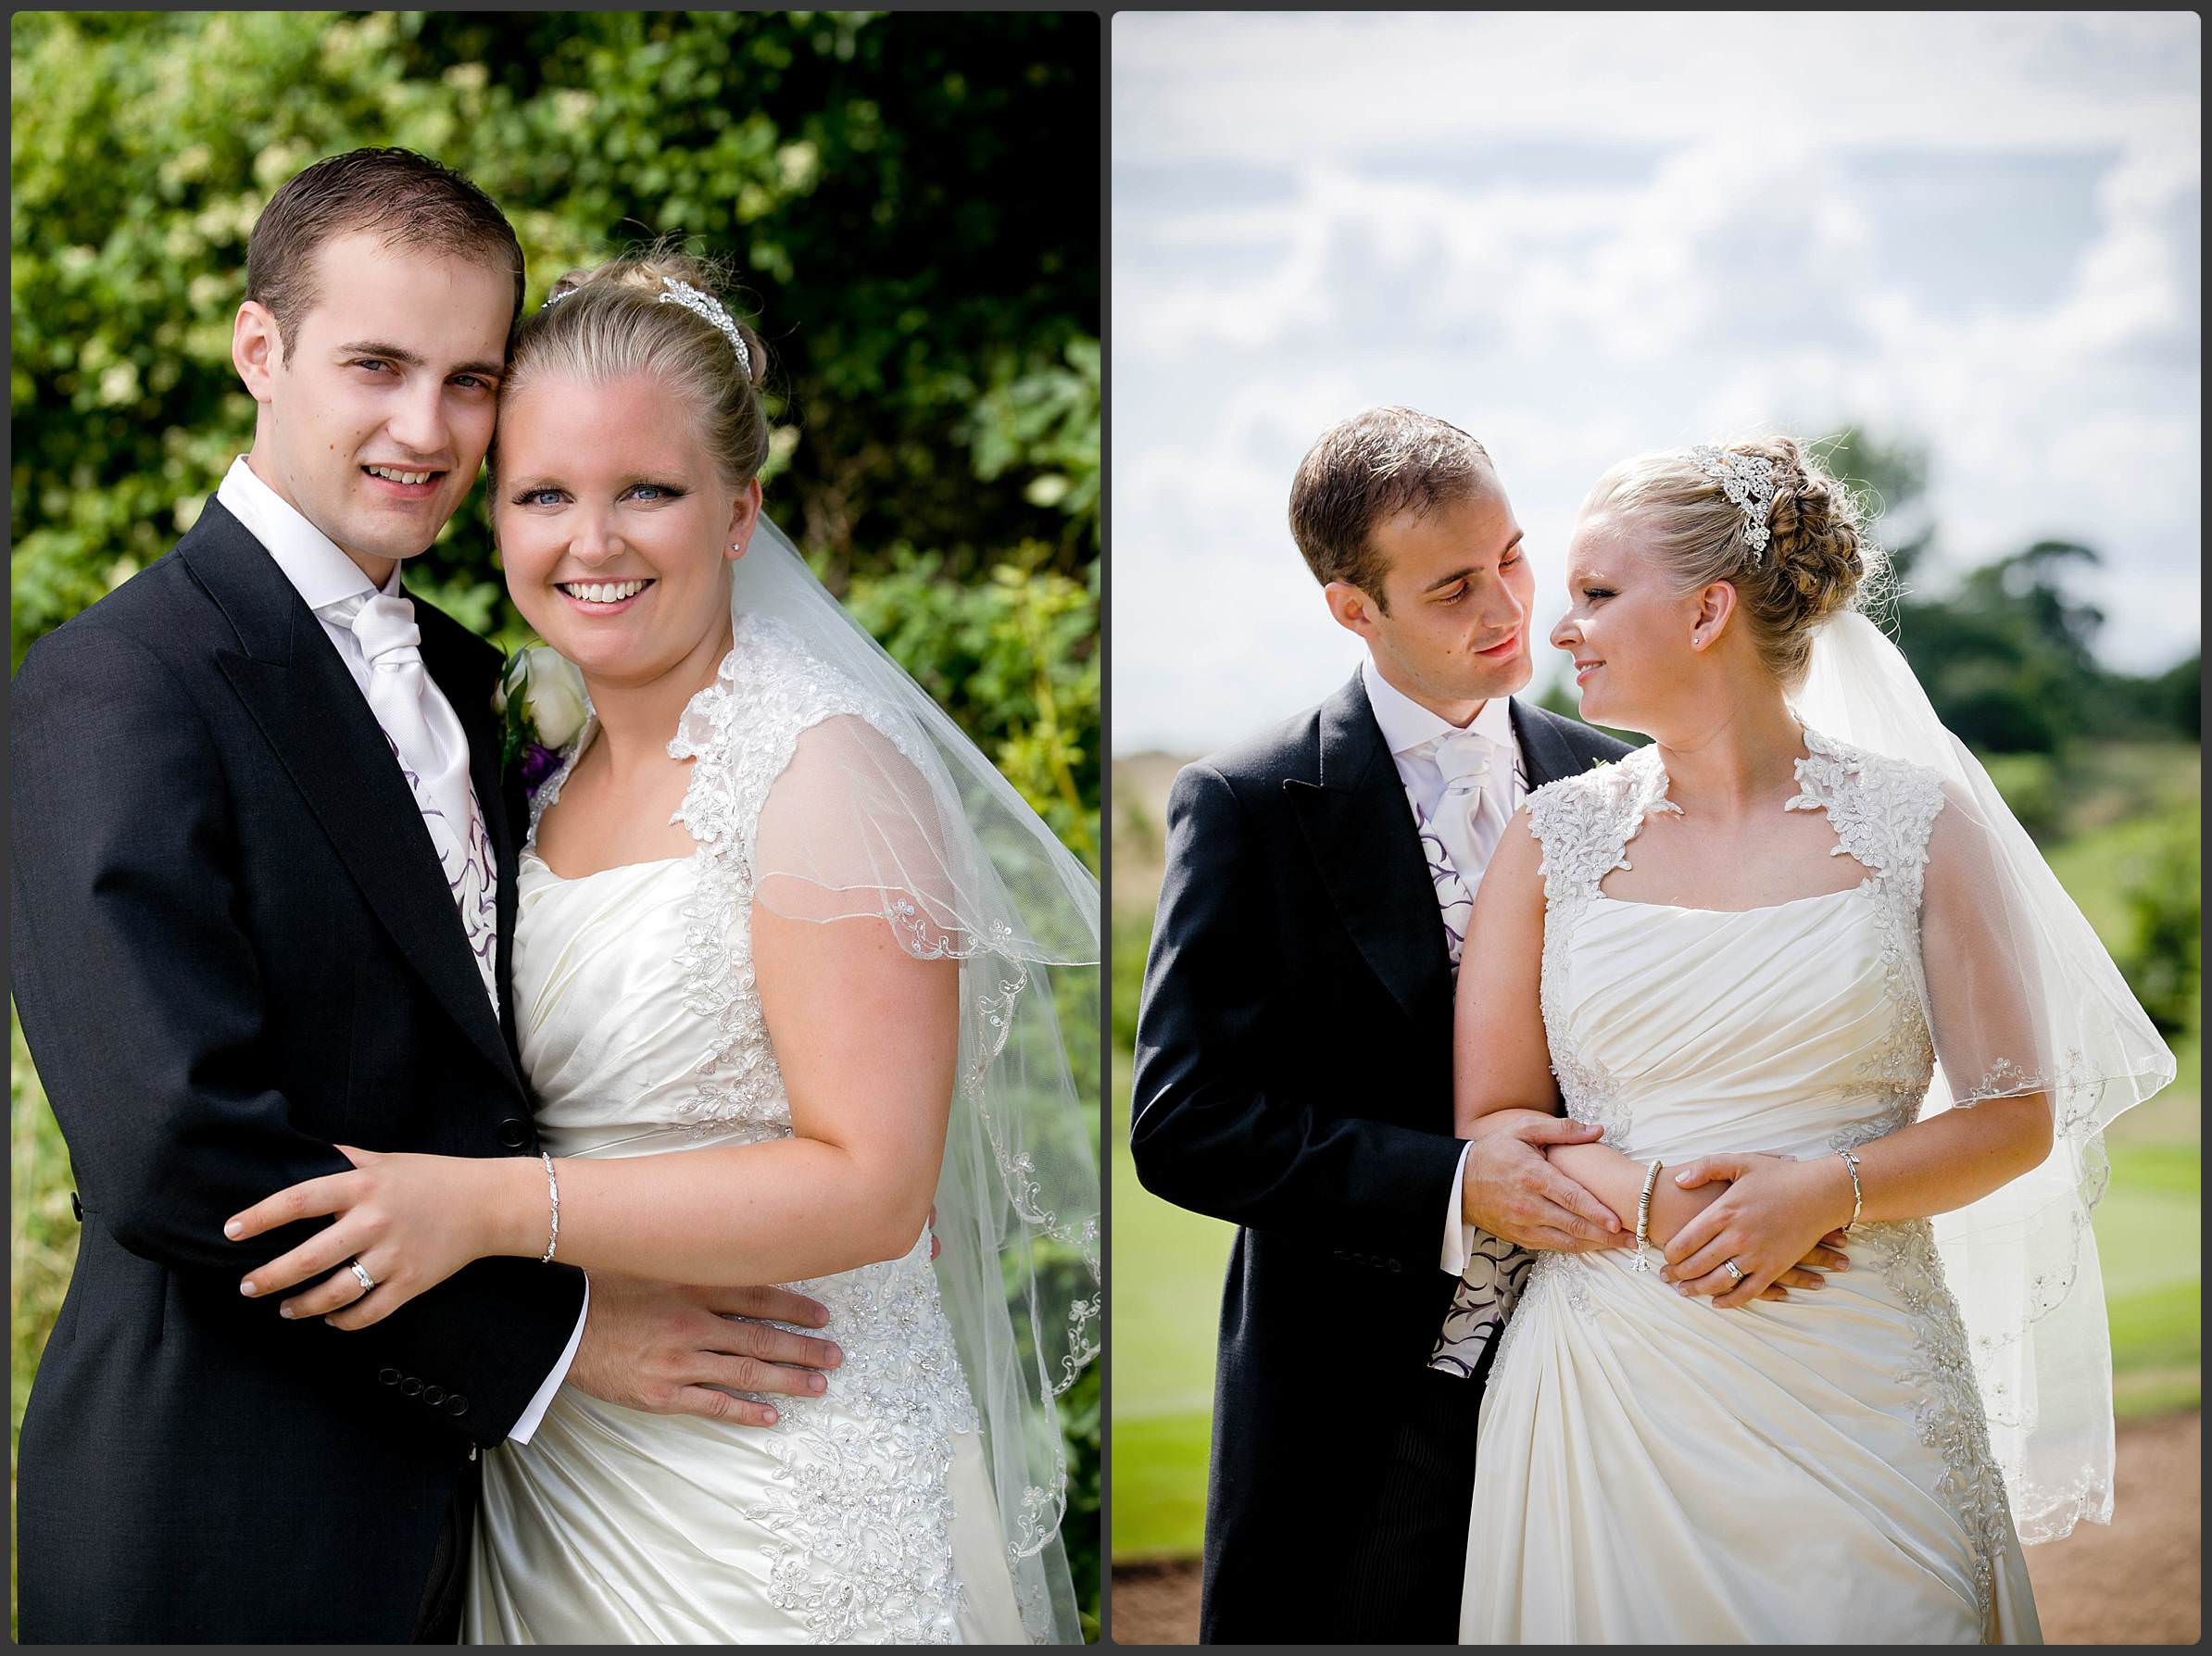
(1858, 1193)
(1643, 1216)
(553, 1186)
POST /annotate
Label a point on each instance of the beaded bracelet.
(1643, 1216)
(552, 1185)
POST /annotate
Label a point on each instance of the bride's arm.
(1503, 1098)
(866, 1037)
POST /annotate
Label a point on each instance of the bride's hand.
(408, 1221)
(1775, 1214)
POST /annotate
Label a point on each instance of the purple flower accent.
(537, 763)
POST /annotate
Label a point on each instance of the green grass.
(2149, 1236)
(1159, 1486)
(1167, 1276)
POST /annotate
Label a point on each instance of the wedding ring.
(367, 1281)
(1728, 1265)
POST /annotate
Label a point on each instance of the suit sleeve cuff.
(1458, 1235)
(527, 1421)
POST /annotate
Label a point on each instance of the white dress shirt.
(1406, 726)
(324, 576)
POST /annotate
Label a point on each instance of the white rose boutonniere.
(542, 700)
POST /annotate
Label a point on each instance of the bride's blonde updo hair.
(1817, 561)
(610, 321)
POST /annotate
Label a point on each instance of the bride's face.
(615, 525)
(1626, 627)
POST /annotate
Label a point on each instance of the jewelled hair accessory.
(708, 305)
(1747, 481)
(689, 297)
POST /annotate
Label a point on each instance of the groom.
(1294, 1049)
(263, 895)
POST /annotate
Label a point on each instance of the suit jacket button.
(434, 1395)
(514, 1132)
(409, 1386)
(457, 1404)
(387, 1376)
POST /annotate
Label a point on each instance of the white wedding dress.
(864, 1516)
(1651, 1470)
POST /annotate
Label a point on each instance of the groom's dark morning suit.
(1294, 1076)
(234, 948)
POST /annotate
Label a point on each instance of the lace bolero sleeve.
(851, 828)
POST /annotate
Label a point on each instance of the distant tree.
(2180, 696)
(2165, 902)
(1891, 480)
(2006, 651)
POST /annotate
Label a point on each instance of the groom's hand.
(666, 1349)
(1511, 1191)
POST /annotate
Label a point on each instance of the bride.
(779, 985)
(1746, 951)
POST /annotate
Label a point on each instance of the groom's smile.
(406, 485)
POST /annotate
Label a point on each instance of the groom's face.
(374, 422)
(1453, 629)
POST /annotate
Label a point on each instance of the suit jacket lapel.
(1545, 756)
(1360, 831)
(309, 710)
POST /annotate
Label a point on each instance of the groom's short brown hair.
(1367, 470)
(408, 200)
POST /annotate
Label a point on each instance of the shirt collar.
(1406, 725)
(318, 571)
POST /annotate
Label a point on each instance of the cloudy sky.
(1580, 237)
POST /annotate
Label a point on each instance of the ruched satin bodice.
(608, 1041)
(1698, 1031)
(1650, 1469)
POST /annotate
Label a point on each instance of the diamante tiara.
(1747, 481)
(708, 305)
(689, 297)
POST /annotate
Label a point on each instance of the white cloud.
(1656, 234)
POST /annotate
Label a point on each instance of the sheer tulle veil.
(909, 822)
(2022, 1261)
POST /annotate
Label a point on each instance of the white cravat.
(1466, 817)
(424, 728)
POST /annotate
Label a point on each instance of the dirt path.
(2135, 1582)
